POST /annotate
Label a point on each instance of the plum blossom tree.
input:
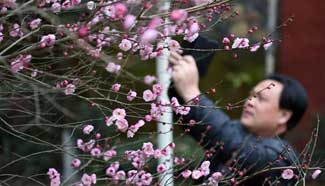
(57, 55)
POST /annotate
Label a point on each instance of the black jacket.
(227, 139)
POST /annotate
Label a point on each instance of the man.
(243, 147)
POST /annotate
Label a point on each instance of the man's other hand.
(184, 75)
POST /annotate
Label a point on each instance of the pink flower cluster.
(113, 68)
(203, 170)
(109, 154)
(287, 174)
(20, 62)
(139, 178)
(69, 88)
(85, 147)
(118, 118)
(178, 109)
(8, 4)
(116, 174)
(214, 178)
(240, 43)
(16, 31)
(88, 129)
(131, 95)
(116, 87)
(88, 180)
(75, 163)
(134, 128)
(139, 157)
(48, 40)
(54, 176)
(149, 79)
(149, 95)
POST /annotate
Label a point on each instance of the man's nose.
(250, 101)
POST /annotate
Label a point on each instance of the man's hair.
(293, 98)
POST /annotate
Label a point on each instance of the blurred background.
(297, 52)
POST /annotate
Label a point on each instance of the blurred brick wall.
(302, 55)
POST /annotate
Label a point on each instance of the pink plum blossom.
(213, 180)
(157, 153)
(86, 147)
(225, 40)
(125, 45)
(161, 168)
(131, 131)
(157, 89)
(119, 113)
(69, 89)
(88, 180)
(116, 87)
(178, 15)
(267, 45)
(131, 95)
(196, 174)
(179, 161)
(120, 10)
(54, 176)
(155, 22)
(240, 43)
(75, 163)
(56, 7)
(19, 63)
(148, 117)
(109, 120)
(129, 20)
(88, 129)
(146, 51)
(48, 40)
(110, 171)
(173, 45)
(255, 47)
(112, 67)
(9, 3)
(149, 79)
(316, 173)
(122, 125)
(148, 149)
(109, 154)
(16, 31)
(148, 95)
(96, 152)
(186, 173)
(120, 175)
(287, 174)
(148, 36)
(35, 23)
(205, 170)
(52, 173)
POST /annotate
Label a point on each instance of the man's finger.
(176, 55)
(173, 61)
(189, 59)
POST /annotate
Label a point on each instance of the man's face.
(261, 113)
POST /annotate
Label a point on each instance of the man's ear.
(285, 115)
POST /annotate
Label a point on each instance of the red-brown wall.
(302, 55)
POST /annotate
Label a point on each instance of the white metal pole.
(271, 26)
(165, 133)
(66, 157)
